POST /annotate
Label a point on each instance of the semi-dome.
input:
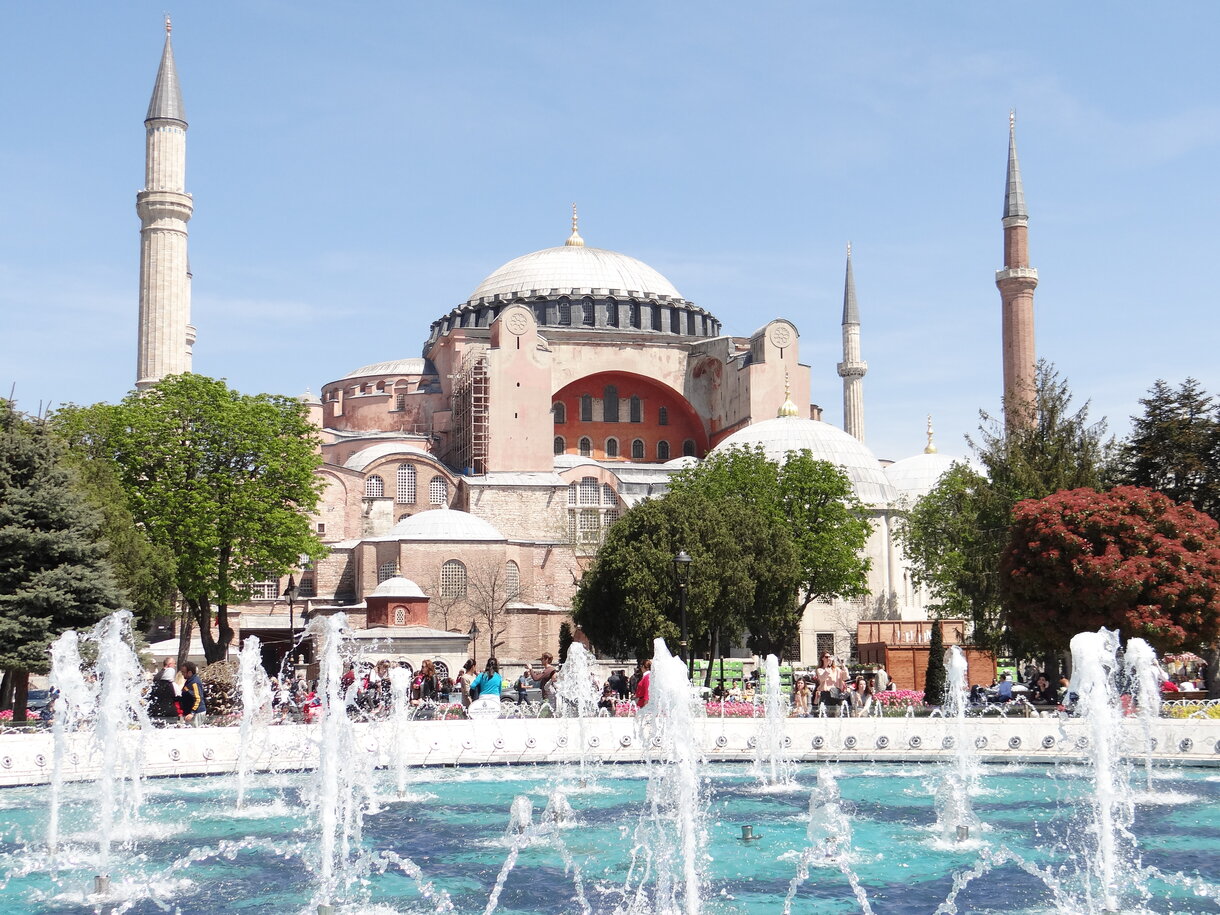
(443, 524)
(575, 270)
(914, 477)
(398, 587)
(785, 434)
(411, 366)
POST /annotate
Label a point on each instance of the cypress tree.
(934, 680)
(53, 574)
(566, 637)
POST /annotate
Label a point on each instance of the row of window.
(269, 589)
(454, 578)
(404, 494)
(610, 409)
(589, 492)
(585, 447)
(587, 525)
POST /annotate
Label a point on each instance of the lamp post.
(290, 594)
(681, 569)
(474, 638)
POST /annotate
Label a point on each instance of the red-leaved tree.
(1128, 559)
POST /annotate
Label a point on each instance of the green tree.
(53, 572)
(813, 499)
(934, 679)
(1174, 446)
(222, 480)
(954, 537)
(565, 640)
(1128, 559)
(742, 566)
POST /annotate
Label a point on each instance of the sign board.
(485, 707)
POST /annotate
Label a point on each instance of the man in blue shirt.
(194, 705)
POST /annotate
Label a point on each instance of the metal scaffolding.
(469, 402)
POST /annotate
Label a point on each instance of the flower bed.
(899, 698)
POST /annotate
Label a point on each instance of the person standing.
(163, 701)
(193, 700)
(881, 680)
(462, 681)
(545, 678)
(489, 683)
(641, 688)
(523, 685)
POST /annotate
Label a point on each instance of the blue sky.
(357, 169)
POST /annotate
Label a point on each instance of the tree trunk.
(6, 691)
(185, 625)
(707, 677)
(225, 632)
(21, 680)
(1211, 677)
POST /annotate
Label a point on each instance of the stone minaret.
(852, 368)
(166, 334)
(1017, 281)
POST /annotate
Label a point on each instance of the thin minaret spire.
(1017, 281)
(852, 369)
(165, 332)
(574, 240)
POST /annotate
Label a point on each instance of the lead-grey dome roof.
(575, 270)
(778, 437)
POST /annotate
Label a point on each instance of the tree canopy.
(1174, 446)
(764, 539)
(53, 571)
(222, 480)
(954, 536)
(1128, 559)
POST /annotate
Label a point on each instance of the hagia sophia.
(562, 390)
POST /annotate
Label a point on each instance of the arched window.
(442, 669)
(656, 317)
(690, 323)
(675, 321)
(438, 491)
(400, 402)
(560, 445)
(589, 491)
(611, 313)
(612, 447)
(662, 451)
(662, 416)
(586, 408)
(610, 404)
(565, 311)
(586, 447)
(400, 616)
(453, 579)
(406, 485)
(560, 412)
(635, 314)
(387, 570)
(512, 580)
(374, 487)
(404, 516)
(637, 409)
(688, 448)
(637, 449)
(609, 496)
(587, 317)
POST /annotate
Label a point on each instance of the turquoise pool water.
(190, 851)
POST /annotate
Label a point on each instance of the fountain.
(676, 835)
(255, 693)
(955, 816)
(772, 761)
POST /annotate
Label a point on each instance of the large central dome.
(575, 270)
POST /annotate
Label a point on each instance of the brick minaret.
(852, 368)
(164, 207)
(1017, 281)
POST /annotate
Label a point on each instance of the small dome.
(914, 477)
(398, 587)
(443, 524)
(783, 435)
(575, 267)
(366, 456)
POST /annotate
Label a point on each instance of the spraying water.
(255, 691)
(74, 706)
(954, 808)
(772, 762)
(400, 718)
(829, 838)
(577, 692)
(1094, 664)
(1144, 677)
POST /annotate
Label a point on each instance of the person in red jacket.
(641, 688)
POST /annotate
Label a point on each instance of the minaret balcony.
(852, 369)
(1029, 274)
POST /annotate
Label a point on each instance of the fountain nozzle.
(963, 833)
(325, 908)
(747, 834)
(101, 885)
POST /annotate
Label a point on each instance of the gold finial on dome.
(930, 448)
(169, 26)
(574, 240)
(789, 408)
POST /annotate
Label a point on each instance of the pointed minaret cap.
(851, 311)
(930, 448)
(574, 240)
(1014, 192)
(788, 408)
(166, 103)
